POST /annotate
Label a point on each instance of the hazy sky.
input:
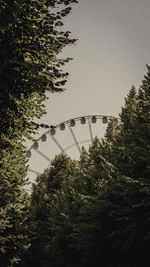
(110, 57)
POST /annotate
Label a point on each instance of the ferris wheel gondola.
(70, 124)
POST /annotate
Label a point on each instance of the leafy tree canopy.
(31, 37)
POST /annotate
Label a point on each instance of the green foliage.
(30, 41)
(127, 145)
(96, 212)
(13, 228)
(46, 206)
(93, 217)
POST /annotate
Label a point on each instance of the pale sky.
(109, 57)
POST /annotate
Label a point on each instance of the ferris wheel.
(68, 138)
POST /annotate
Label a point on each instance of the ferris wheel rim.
(110, 118)
(70, 123)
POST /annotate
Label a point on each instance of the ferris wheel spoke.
(57, 143)
(74, 144)
(33, 171)
(74, 138)
(90, 130)
(43, 155)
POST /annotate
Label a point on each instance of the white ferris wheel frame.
(70, 124)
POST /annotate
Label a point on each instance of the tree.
(88, 214)
(143, 129)
(48, 221)
(100, 214)
(128, 143)
(123, 139)
(30, 41)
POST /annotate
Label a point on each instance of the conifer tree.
(129, 144)
(98, 209)
(143, 127)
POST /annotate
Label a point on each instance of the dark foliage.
(96, 211)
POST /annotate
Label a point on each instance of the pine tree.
(143, 127)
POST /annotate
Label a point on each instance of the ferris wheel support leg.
(74, 138)
(90, 130)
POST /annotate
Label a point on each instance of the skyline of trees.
(90, 212)
(96, 211)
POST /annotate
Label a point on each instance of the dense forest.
(96, 211)
(90, 212)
